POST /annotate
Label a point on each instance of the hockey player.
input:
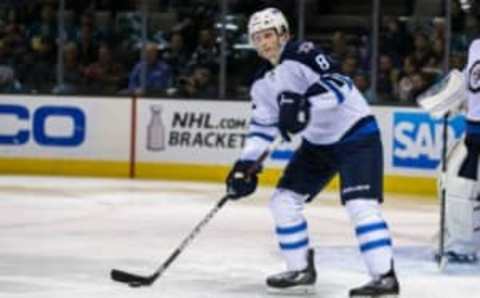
(301, 92)
(462, 181)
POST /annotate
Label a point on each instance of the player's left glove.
(242, 179)
(294, 113)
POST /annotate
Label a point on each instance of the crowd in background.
(106, 58)
(102, 50)
(411, 56)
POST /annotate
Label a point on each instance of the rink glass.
(74, 48)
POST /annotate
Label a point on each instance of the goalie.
(461, 180)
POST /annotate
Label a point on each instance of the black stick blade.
(132, 280)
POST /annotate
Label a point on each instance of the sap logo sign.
(418, 139)
(37, 125)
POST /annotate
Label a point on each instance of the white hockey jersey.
(336, 104)
(472, 79)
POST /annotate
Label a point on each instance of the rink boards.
(185, 139)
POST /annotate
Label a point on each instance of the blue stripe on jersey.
(262, 124)
(335, 90)
(369, 127)
(292, 230)
(473, 127)
(315, 89)
(375, 244)
(370, 228)
(294, 245)
(261, 135)
(282, 154)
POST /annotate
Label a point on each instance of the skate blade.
(292, 291)
(377, 296)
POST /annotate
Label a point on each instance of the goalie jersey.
(337, 107)
(472, 79)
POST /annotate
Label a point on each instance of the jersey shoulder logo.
(305, 47)
(474, 77)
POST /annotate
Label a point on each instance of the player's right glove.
(294, 113)
(242, 179)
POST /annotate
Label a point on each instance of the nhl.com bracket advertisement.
(189, 131)
(194, 129)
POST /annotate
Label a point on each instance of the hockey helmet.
(268, 18)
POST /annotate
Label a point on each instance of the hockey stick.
(134, 280)
(442, 260)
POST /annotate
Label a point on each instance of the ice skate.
(458, 258)
(295, 282)
(386, 286)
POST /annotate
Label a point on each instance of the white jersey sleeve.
(264, 120)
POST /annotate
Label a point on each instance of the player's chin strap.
(135, 280)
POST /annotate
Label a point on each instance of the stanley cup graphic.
(156, 130)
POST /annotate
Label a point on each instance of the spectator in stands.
(362, 81)
(8, 83)
(404, 88)
(36, 70)
(439, 29)
(104, 76)
(394, 38)
(86, 40)
(129, 27)
(47, 26)
(158, 73)
(114, 6)
(14, 35)
(457, 60)
(421, 82)
(458, 17)
(435, 61)
(197, 15)
(72, 71)
(176, 54)
(386, 78)
(349, 66)
(339, 46)
(206, 52)
(198, 85)
(422, 49)
(5, 54)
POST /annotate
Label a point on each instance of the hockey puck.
(135, 284)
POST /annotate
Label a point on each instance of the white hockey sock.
(293, 241)
(373, 235)
(290, 227)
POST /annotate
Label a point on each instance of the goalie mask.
(269, 18)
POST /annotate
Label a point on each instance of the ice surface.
(60, 237)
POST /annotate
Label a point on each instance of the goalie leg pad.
(462, 207)
(462, 216)
(291, 228)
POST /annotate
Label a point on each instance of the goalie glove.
(242, 179)
(294, 113)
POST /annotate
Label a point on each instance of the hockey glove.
(242, 179)
(294, 113)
